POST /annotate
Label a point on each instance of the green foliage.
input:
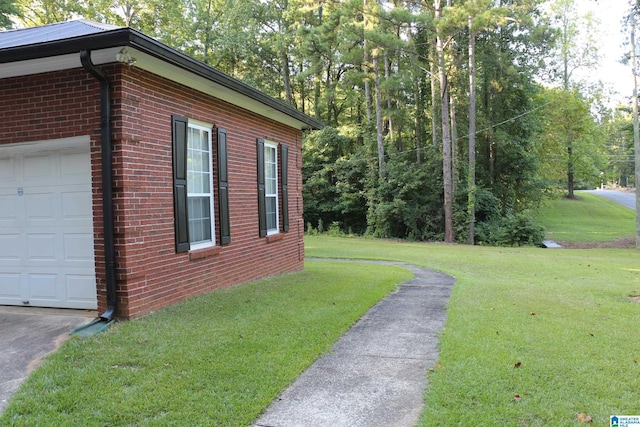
(40, 12)
(407, 202)
(619, 169)
(320, 57)
(333, 181)
(511, 230)
(575, 131)
(7, 8)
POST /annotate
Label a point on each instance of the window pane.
(199, 219)
(198, 138)
(271, 213)
(270, 187)
(270, 154)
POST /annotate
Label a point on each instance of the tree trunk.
(570, 166)
(286, 78)
(454, 131)
(379, 139)
(418, 118)
(366, 59)
(471, 177)
(434, 101)
(387, 75)
(446, 134)
(454, 138)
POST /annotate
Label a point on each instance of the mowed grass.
(214, 360)
(534, 337)
(589, 219)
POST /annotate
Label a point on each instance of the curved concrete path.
(376, 373)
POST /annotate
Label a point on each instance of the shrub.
(510, 230)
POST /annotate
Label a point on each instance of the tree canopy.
(441, 114)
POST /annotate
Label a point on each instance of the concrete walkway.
(376, 373)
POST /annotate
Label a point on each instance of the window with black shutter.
(193, 185)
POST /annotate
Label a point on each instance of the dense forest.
(446, 120)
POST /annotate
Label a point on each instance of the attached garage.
(133, 176)
(46, 225)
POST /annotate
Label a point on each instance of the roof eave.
(148, 45)
(122, 37)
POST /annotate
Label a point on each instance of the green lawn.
(589, 219)
(564, 314)
(215, 360)
(534, 337)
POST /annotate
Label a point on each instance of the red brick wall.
(150, 274)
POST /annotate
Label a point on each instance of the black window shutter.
(284, 182)
(223, 188)
(181, 219)
(262, 204)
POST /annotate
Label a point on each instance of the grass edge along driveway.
(534, 337)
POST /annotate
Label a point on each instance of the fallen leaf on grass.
(433, 368)
(517, 398)
(517, 364)
(584, 418)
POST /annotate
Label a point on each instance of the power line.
(390, 155)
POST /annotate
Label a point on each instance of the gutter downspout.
(107, 179)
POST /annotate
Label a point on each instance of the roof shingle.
(51, 32)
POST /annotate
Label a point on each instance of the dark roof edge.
(153, 47)
(129, 37)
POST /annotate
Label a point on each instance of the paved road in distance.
(625, 199)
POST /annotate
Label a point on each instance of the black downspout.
(107, 173)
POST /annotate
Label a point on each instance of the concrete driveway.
(27, 335)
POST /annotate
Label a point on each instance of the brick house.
(133, 176)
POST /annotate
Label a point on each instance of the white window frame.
(268, 145)
(204, 127)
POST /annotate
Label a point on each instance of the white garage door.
(46, 225)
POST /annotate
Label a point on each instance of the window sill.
(275, 238)
(204, 253)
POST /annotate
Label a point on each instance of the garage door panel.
(39, 206)
(9, 287)
(75, 164)
(78, 248)
(76, 205)
(9, 210)
(81, 289)
(7, 170)
(38, 166)
(41, 247)
(10, 248)
(43, 287)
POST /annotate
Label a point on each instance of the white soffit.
(153, 65)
